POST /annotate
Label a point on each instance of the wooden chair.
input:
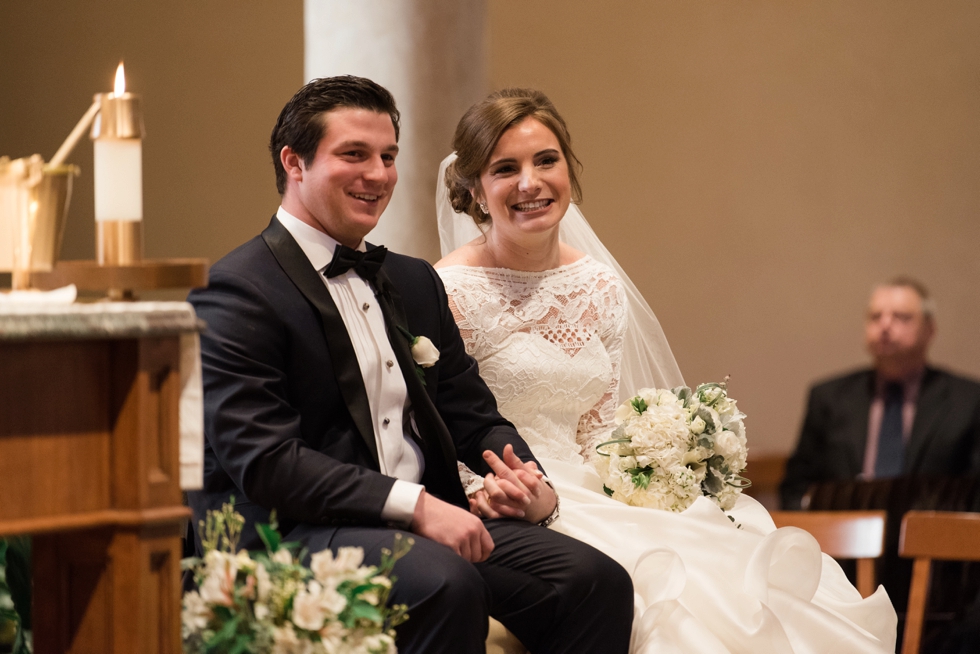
(928, 535)
(856, 535)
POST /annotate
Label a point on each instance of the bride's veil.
(647, 359)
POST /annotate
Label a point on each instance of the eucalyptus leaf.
(712, 483)
(705, 414)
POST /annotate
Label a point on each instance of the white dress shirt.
(398, 455)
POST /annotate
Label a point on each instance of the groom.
(320, 402)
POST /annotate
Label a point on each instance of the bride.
(560, 334)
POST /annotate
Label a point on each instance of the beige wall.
(213, 75)
(756, 166)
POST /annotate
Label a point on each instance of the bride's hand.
(515, 489)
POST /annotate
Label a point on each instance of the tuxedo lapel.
(928, 409)
(441, 474)
(345, 366)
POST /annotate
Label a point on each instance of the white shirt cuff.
(399, 508)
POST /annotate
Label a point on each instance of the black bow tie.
(365, 264)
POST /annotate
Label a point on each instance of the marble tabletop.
(97, 320)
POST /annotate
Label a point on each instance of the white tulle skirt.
(704, 584)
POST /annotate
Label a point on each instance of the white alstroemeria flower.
(195, 613)
(424, 352)
(220, 581)
(332, 601)
(264, 582)
(350, 559)
(283, 556)
(308, 610)
(284, 640)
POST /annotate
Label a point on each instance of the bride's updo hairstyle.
(478, 132)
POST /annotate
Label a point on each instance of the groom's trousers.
(556, 594)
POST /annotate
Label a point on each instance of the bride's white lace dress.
(549, 345)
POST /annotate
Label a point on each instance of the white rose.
(727, 444)
(308, 611)
(623, 412)
(424, 352)
(283, 556)
(697, 425)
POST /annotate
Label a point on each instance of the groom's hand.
(453, 527)
(514, 489)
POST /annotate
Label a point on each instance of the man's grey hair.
(905, 281)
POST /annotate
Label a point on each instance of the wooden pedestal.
(89, 465)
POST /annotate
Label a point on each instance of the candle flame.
(120, 87)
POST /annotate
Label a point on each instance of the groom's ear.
(291, 163)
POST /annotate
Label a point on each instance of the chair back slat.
(844, 535)
(943, 535)
(928, 535)
(841, 534)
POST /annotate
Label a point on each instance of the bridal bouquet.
(670, 446)
(269, 602)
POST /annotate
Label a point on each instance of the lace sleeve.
(596, 424)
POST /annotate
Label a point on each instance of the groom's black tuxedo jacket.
(945, 437)
(286, 414)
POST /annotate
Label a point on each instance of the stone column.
(432, 56)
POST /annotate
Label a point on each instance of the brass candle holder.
(117, 134)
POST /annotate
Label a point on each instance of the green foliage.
(240, 616)
(222, 529)
(639, 404)
(641, 476)
(15, 592)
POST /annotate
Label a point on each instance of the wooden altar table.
(89, 466)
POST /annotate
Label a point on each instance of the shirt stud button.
(365, 306)
(389, 363)
(386, 421)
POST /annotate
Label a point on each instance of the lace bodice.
(549, 346)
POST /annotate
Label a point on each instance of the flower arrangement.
(671, 446)
(269, 602)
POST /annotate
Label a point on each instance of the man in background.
(901, 417)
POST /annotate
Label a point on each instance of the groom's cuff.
(399, 508)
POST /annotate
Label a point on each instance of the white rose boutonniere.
(424, 352)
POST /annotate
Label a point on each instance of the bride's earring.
(483, 208)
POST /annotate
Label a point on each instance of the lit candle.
(117, 134)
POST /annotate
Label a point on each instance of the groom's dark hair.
(302, 123)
